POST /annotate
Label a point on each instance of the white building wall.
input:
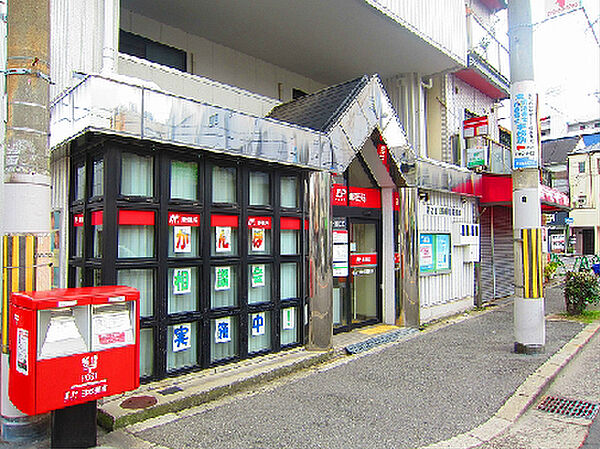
(76, 40)
(441, 22)
(219, 63)
(446, 293)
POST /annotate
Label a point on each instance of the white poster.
(182, 239)
(111, 329)
(258, 275)
(23, 351)
(223, 239)
(182, 281)
(523, 101)
(289, 318)
(258, 239)
(222, 278)
(340, 236)
(223, 330)
(182, 337)
(340, 269)
(258, 324)
(340, 253)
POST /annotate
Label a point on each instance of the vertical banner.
(525, 149)
(223, 330)
(223, 239)
(182, 337)
(258, 324)
(182, 236)
(182, 281)
(258, 275)
(258, 239)
(222, 278)
(289, 318)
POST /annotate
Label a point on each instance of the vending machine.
(71, 346)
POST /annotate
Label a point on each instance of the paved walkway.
(459, 384)
(456, 384)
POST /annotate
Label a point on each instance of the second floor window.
(139, 46)
(582, 167)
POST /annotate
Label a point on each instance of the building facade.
(185, 156)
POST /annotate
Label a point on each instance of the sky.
(567, 62)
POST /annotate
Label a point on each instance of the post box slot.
(63, 332)
(113, 325)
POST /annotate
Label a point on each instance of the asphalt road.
(429, 388)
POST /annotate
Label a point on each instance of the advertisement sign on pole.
(524, 125)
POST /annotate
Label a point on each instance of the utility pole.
(529, 321)
(25, 215)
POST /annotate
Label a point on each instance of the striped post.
(533, 272)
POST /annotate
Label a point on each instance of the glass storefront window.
(223, 338)
(143, 280)
(259, 332)
(288, 282)
(184, 235)
(184, 180)
(289, 241)
(137, 175)
(259, 283)
(224, 185)
(97, 242)
(146, 352)
(259, 189)
(78, 277)
(80, 182)
(289, 325)
(224, 286)
(136, 234)
(182, 346)
(98, 177)
(289, 192)
(183, 289)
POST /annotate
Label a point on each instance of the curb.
(522, 398)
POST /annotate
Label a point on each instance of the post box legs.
(74, 427)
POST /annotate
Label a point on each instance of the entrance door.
(356, 294)
(588, 241)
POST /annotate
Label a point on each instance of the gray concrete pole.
(26, 203)
(320, 263)
(529, 322)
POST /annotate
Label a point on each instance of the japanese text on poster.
(258, 275)
(289, 318)
(223, 330)
(182, 337)
(258, 239)
(223, 239)
(182, 281)
(222, 278)
(182, 239)
(525, 130)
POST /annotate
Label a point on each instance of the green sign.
(434, 253)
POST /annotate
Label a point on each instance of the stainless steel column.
(408, 243)
(320, 271)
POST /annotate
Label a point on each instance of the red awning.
(497, 191)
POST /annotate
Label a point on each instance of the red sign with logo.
(382, 152)
(361, 260)
(179, 219)
(259, 222)
(78, 220)
(357, 197)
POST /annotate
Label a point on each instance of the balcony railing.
(485, 44)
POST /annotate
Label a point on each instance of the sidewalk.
(491, 389)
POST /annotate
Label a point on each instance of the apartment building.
(223, 156)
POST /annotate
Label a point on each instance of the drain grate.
(569, 407)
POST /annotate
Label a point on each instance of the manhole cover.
(139, 402)
(569, 407)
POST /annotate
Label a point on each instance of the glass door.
(356, 298)
(363, 271)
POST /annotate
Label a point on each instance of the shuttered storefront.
(497, 266)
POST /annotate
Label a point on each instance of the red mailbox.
(71, 346)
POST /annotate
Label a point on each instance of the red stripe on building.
(136, 217)
(224, 220)
(290, 223)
